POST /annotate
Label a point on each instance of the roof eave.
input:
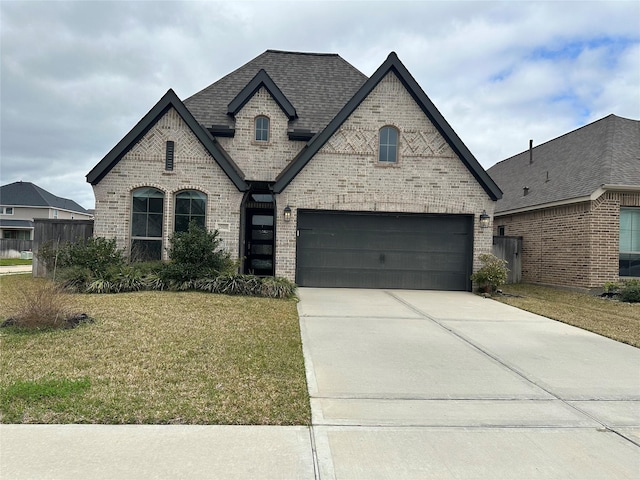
(170, 99)
(597, 193)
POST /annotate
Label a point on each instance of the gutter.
(597, 193)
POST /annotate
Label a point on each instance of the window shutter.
(168, 164)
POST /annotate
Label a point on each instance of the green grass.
(5, 262)
(617, 320)
(156, 358)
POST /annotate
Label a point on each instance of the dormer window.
(262, 129)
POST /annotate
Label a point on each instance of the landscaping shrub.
(630, 292)
(195, 254)
(94, 254)
(492, 274)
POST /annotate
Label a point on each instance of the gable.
(262, 80)
(169, 101)
(392, 64)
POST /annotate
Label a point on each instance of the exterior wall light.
(484, 219)
(287, 213)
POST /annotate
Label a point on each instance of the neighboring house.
(21, 202)
(309, 170)
(575, 200)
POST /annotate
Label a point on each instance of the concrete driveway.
(448, 385)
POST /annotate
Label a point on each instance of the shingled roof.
(317, 85)
(27, 194)
(572, 166)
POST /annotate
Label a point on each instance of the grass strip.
(613, 319)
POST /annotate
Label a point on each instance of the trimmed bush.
(492, 274)
(630, 293)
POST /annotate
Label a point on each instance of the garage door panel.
(384, 250)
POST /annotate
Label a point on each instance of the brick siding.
(346, 175)
(574, 245)
(144, 166)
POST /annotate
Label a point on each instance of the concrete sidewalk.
(404, 385)
(15, 269)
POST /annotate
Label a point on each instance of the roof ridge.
(557, 138)
(291, 52)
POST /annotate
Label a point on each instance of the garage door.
(382, 250)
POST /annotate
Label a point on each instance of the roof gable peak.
(168, 101)
(391, 64)
(262, 79)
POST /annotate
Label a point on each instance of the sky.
(76, 76)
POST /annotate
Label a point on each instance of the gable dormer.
(262, 79)
(261, 144)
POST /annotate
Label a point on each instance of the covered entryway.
(384, 250)
(259, 231)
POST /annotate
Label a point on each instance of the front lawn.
(156, 358)
(5, 262)
(617, 320)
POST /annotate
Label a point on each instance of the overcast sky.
(77, 76)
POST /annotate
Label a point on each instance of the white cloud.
(77, 76)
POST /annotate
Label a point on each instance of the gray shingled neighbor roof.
(27, 194)
(318, 85)
(605, 152)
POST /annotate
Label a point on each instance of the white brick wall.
(343, 175)
(144, 166)
(346, 175)
(261, 160)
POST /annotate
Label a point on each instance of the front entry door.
(259, 241)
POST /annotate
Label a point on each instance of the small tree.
(492, 274)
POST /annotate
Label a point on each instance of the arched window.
(262, 129)
(190, 205)
(146, 224)
(388, 143)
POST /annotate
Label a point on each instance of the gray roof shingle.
(574, 165)
(30, 195)
(318, 85)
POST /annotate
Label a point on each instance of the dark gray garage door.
(382, 250)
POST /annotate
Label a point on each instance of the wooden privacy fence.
(510, 249)
(11, 247)
(58, 232)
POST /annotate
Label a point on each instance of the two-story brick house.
(309, 170)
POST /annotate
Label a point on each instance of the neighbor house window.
(6, 210)
(630, 242)
(190, 206)
(262, 129)
(388, 145)
(146, 224)
(17, 234)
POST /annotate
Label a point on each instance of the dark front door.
(259, 235)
